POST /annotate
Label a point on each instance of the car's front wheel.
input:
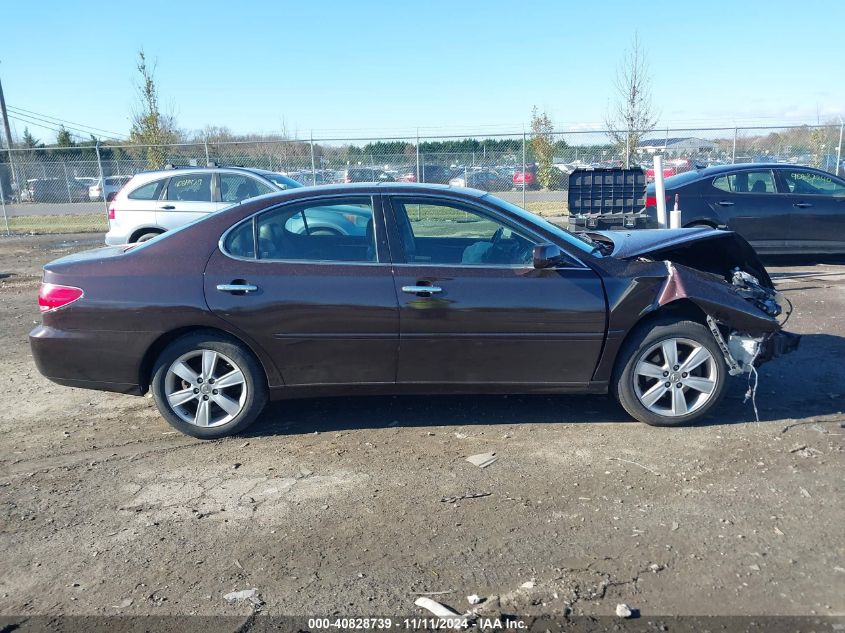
(208, 386)
(669, 372)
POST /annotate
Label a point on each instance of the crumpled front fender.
(716, 298)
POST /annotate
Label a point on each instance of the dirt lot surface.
(342, 506)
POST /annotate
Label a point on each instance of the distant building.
(676, 146)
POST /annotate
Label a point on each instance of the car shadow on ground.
(779, 397)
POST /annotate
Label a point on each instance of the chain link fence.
(532, 171)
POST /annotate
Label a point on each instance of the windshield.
(579, 241)
(282, 181)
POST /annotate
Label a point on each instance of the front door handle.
(168, 207)
(802, 205)
(725, 203)
(421, 290)
(236, 288)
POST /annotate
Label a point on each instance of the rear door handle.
(802, 205)
(168, 207)
(421, 290)
(236, 288)
(725, 203)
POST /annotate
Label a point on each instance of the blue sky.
(356, 68)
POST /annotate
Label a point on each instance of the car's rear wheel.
(670, 372)
(143, 237)
(208, 386)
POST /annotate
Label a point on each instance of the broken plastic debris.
(474, 599)
(528, 584)
(440, 610)
(623, 610)
(247, 594)
(482, 460)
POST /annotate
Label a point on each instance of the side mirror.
(546, 255)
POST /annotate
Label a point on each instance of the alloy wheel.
(205, 388)
(675, 377)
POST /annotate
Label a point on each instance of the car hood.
(705, 249)
(644, 241)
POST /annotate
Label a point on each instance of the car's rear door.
(748, 202)
(323, 306)
(474, 311)
(817, 210)
(187, 197)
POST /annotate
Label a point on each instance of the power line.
(46, 127)
(51, 125)
(78, 126)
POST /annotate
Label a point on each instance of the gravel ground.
(336, 506)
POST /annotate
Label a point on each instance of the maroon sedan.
(443, 290)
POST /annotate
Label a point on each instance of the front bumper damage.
(744, 310)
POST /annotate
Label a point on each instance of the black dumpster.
(607, 198)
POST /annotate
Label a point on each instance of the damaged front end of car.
(720, 273)
(741, 313)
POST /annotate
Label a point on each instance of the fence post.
(627, 149)
(3, 205)
(313, 167)
(839, 148)
(205, 142)
(418, 154)
(523, 169)
(102, 176)
(733, 152)
(67, 182)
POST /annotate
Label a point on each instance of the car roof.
(407, 188)
(721, 169)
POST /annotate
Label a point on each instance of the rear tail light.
(54, 296)
(111, 212)
(651, 200)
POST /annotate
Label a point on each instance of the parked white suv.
(113, 185)
(153, 202)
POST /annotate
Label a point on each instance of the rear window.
(682, 179)
(150, 191)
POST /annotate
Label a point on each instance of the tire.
(147, 236)
(641, 372)
(179, 399)
(699, 225)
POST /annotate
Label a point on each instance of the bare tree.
(150, 127)
(632, 115)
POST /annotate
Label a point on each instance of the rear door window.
(150, 191)
(190, 188)
(746, 182)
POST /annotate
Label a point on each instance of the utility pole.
(5, 118)
(8, 132)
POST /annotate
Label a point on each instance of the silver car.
(153, 202)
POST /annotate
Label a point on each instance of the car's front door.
(748, 202)
(817, 206)
(321, 305)
(187, 197)
(474, 310)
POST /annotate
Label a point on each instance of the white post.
(675, 215)
(839, 149)
(659, 191)
(205, 143)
